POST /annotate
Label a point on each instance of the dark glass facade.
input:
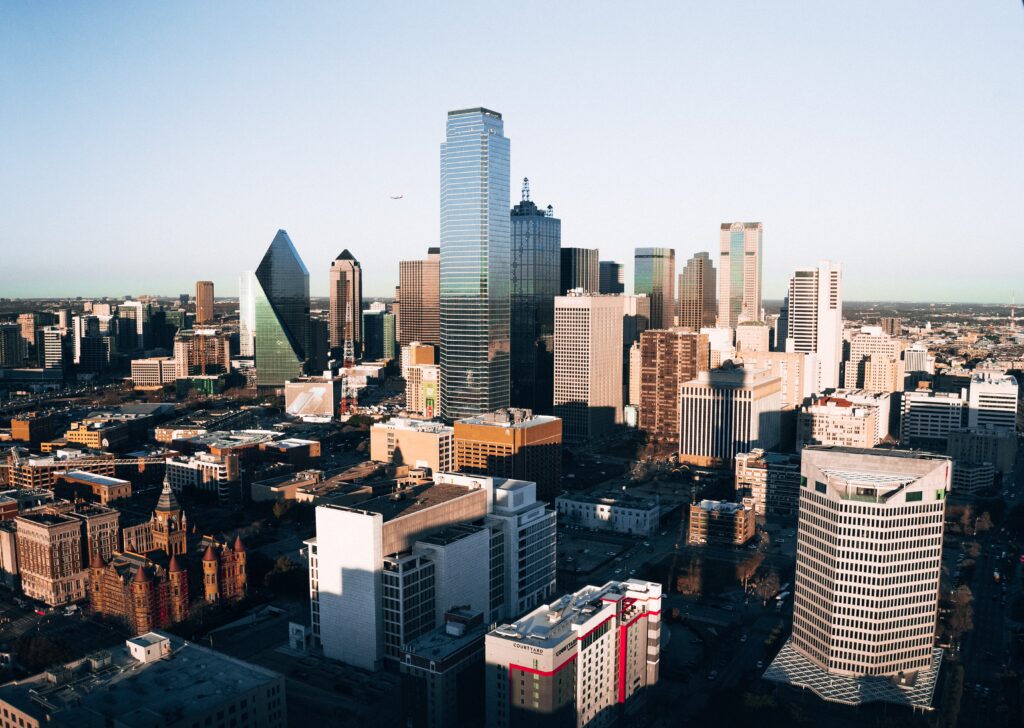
(654, 273)
(536, 242)
(580, 269)
(475, 264)
(611, 278)
(282, 314)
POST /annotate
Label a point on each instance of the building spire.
(526, 189)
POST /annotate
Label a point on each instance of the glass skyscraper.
(282, 314)
(536, 241)
(654, 272)
(475, 264)
(739, 273)
(698, 304)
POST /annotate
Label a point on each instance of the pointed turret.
(345, 255)
(210, 554)
(141, 575)
(168, 501)
(239, 547)
(175, 566)
(95, 560)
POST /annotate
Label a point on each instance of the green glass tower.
(282, 314)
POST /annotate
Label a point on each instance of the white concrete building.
(612, 511)
(837, 421)
(815, 319)
(204, 471)
(588, 364)
(797, 372)
(992, 401)
(928, 416)
(154, 372)
(868, 563)
(917, 359)
(721, 346)
(875, 362)
(585, 659)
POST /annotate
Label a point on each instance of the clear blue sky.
(146, 145)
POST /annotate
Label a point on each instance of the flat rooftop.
(190, 681)
(451, 534)
(622, 500)
(512, 417)
(93, 479)
(233, 438)
(413, 499)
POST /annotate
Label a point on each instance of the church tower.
(142, 601)
(168, 523)
(211, 577)
(177, 576)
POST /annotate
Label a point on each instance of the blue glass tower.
(536, 241)
(282, 314)
(475, 260)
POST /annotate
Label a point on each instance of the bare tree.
(983, 523)
(768, 586)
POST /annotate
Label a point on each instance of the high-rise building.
(891, 325)
(868, 564)
(753, 336)
(584, 660)
(282, 314)
(512, 443)
(588, 364)
(668, 359)
(50, 348)
(874, 362)
(346, 304)
(50, 557)
(536, 242)
(611, 277)
(835, 420)
(204, 302)
(420, 286)
(698, 302)
(422, 388)
(475, 264)
(12, 346)
(727, 411)
(992, 401)
(815, 323)
(580, 268)
(654, 273)
(379, 335)
(927, 417)
(247, 314)
(739, 273)
(201, 352)
(917, 359)
(133, 329)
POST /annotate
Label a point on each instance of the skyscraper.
(588, 364)
(611, 277)
(475, 264)
(868, 563)
(668, 359)
(698, 305)
(654, 272)
(580, 269)
(282, 314)
(536, 241)
(346, 308)
(815, 323)
(204, 302)
(419, 282)
(247, 314)
(739, 273)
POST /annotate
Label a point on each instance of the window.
(912, 497)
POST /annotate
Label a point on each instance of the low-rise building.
(983, 445)
(155, 679)
(103, 489)
(837, 421)
(586, 659)
(928, 416)
(613, 511)
(204, 471)
(153, 373)
(971, 478)
(771, 480)
(721, 523)
(417, 443)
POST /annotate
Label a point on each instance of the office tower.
(415, 443)
(346, 307)
(875, 362)
(728, 411)
(917, 359)
(319, 343)
(698, 304)
(12, 346)
(475, 264)
(720, 346)
(668, 359)
(721, 523)
(928, 416)
(588, 364)
(29, 323)
(983, 445)
(204, 302)
(417, 353)
(536, 242)
(771, 479)
(282, 314)
(633, 378)
(201, 352)
(868, 563)
(94, 350)
(580, 268)
(636, 318)
(420, 289)
(246, 314)
(50, 557)
(891, 325)
(815, 323)
(654, 273)
(133, 324)
(739, 273)
(752, 336)
(512, 443)
(611, 277)
(835, 420)
(422, 386)
(51, 348)
(584, 660)
(992, 401)
(378, 335)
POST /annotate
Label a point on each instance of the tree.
(984, 523)
(973, 550)
(961, 617)
(768, 586)
(748, 567)
(966, 518)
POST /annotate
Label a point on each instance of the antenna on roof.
(526, 189)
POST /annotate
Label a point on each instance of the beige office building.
(204, 302)
(795, 370)
(422, 387)
(875, 362)
(588, 364)
(752, 336)
(868, 563)
(739, 273)
(50, 557)
(415, 443)
(420, 284)
(345, 315)
(837, 421)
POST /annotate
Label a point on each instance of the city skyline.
(123, 170)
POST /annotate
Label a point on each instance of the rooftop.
(511, 417)
(612, 498)
(103, 481)
(412, 499)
